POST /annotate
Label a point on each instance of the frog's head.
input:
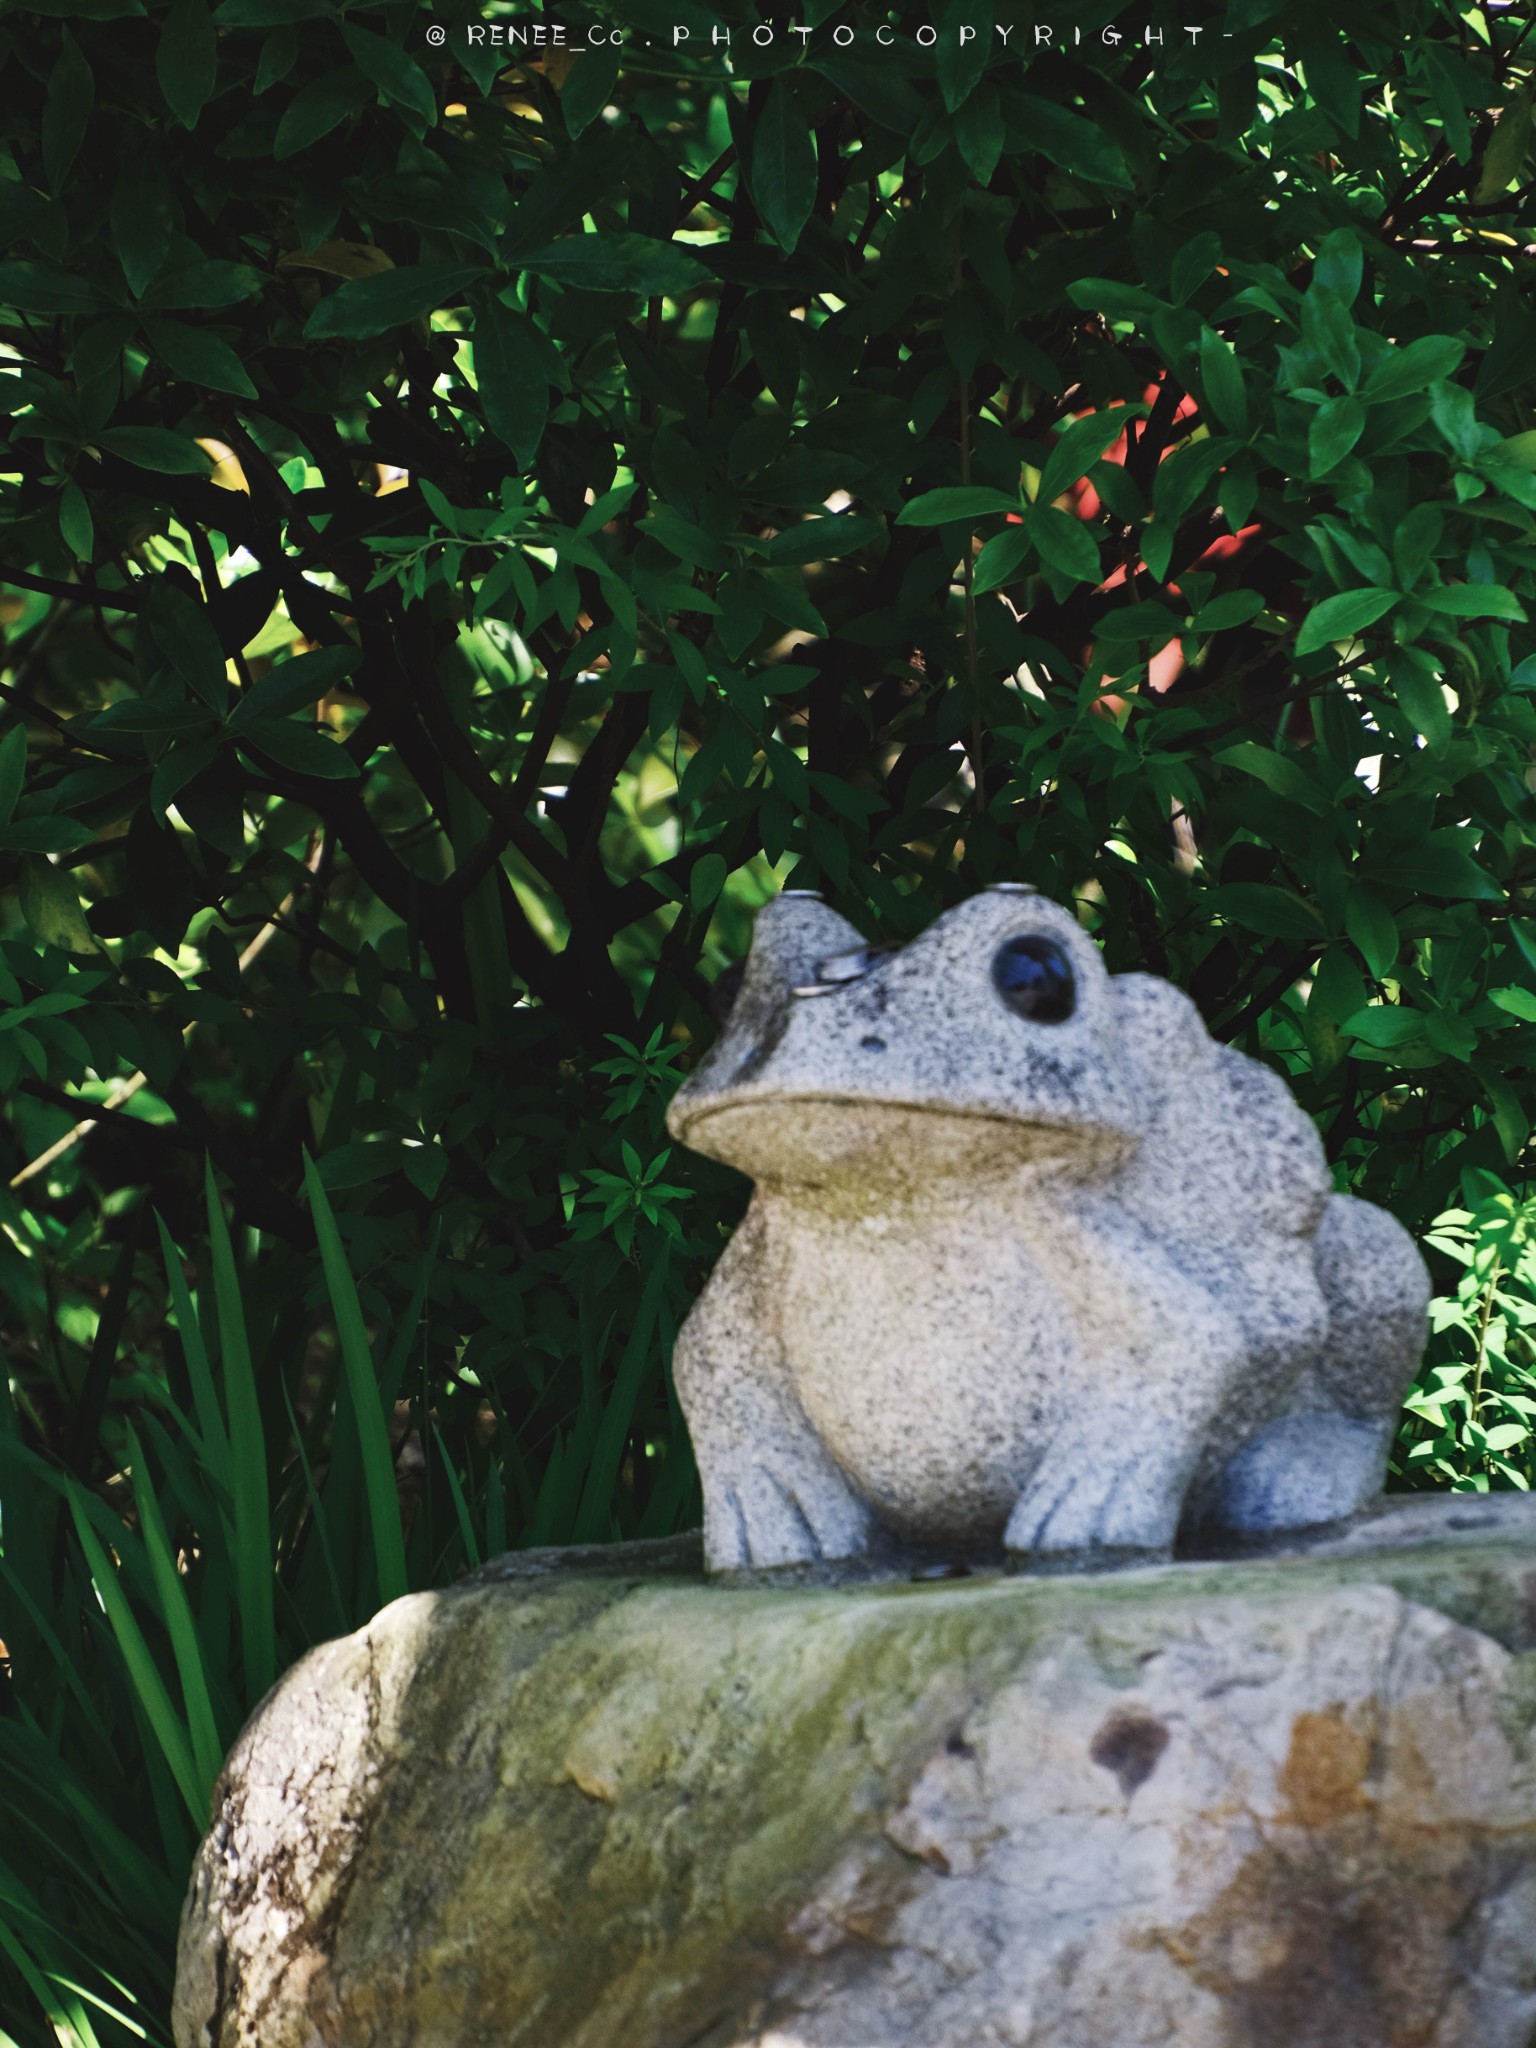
(988, 1041)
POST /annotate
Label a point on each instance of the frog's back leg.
(772, 1492)
(1326, 1456)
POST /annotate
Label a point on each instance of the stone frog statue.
(1032, 1262)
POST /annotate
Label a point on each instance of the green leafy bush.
(476, 523)
(1471, 1416)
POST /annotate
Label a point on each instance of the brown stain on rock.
(1323, 1776)
(1355, 1921)
(1130, 1743)
(1330, 1942)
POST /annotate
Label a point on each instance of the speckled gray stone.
(1056, 1286)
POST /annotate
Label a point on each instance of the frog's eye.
(1034, 978)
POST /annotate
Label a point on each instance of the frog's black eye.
(1034, 978)
(724, 990)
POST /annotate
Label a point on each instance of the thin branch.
(74, 593)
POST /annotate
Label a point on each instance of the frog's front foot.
(759, 1516)
(1098, 1510)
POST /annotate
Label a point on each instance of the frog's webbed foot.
(759, 1512)
(1097, 1507)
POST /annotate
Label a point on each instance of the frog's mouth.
(815, 1137)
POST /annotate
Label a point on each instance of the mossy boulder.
(597, 1802)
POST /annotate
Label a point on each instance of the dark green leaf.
(1153, 623)
(1078, 145)
(955, 501)
(1222, 377)
(297, 748)
(200, 357)
(1079, 446)
(588, 88)
(182, 635)
(76, 528)
(1002, 559)
(1339, 618)
(40, 288)
(1413, 367)
(365, 306)
(1372, 931)
(1232, 608)
(13, 769)
(156, 448)
(512, 378)
(1386, 1025)
(1282, 773)
(268, 13)
(1277, 913)
(301, 682)
(44, 835)
(322, 105)
(1472, 601)
(613, 262)
(965, 41)
(706, 882)
(1419, 691)
(1065, 543)
(200, 287)
(1326, 325)
(783, 165)
(67, 108)
(393, 72)
(187, 60)
(979, 133)
(1434, 871)
(142, 219)
(1335, 429)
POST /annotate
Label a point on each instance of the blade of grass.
(367, 1406)
(206, 1508)
(248, 1456)
(62, 1663)
(24, 1908)
(495, 1508)
(546, 1516)
(113, 2012)
(205, 1401)
(460, 1505)
(410, 1325)
(91, 1402)
(71, 2029)
(176, 1613)
(23, 1526)
(143, 1673)
(140, 1888)
(592, 1517)
(317, 1517)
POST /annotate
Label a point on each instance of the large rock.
(1281, 1803)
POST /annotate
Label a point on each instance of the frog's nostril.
(1034, 978)
(872, 1044)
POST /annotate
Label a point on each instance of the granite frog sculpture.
(1032, 1263)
